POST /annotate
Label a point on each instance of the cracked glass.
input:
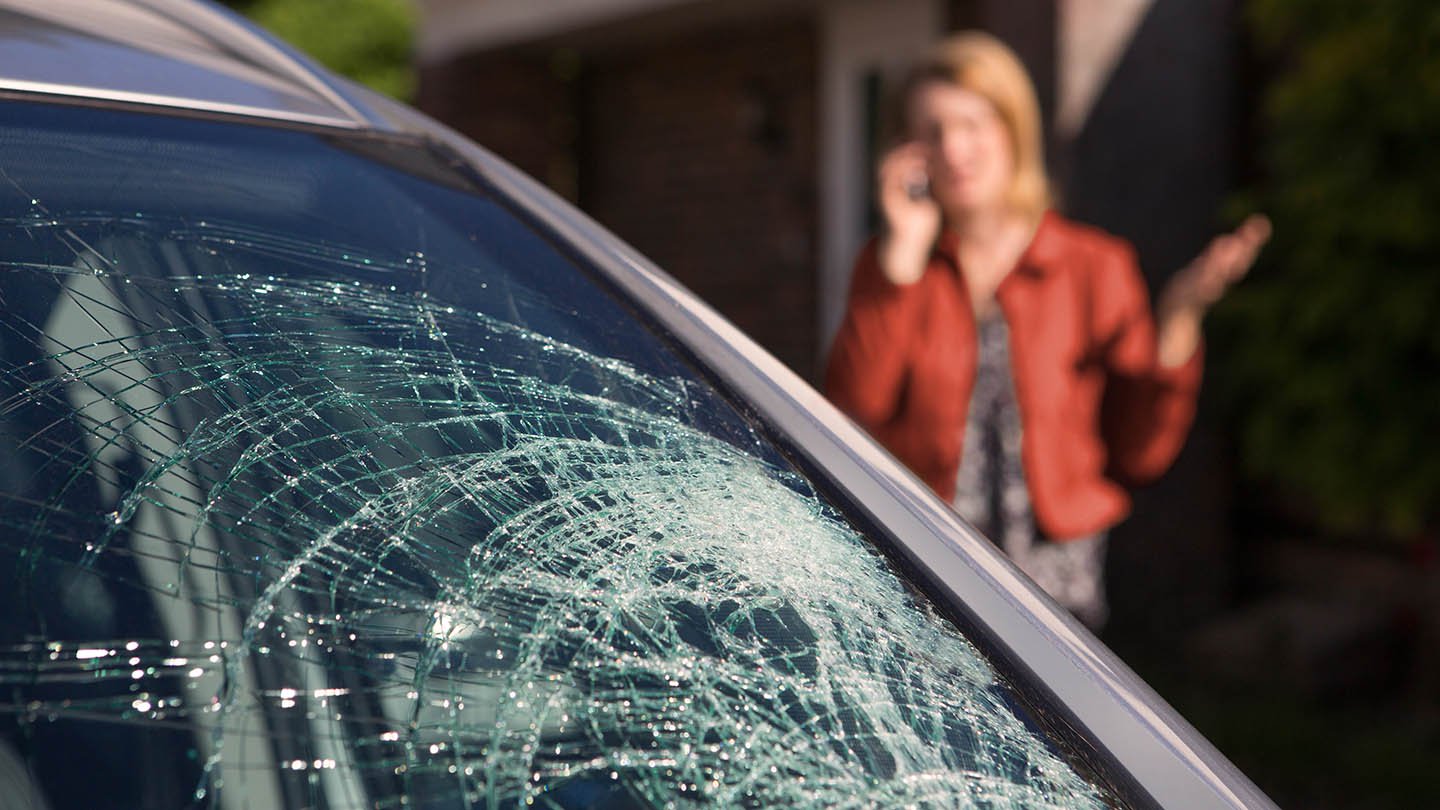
(330, 481)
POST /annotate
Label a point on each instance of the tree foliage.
(1332, 350)
(369, 41)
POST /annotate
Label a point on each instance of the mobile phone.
(918, 188)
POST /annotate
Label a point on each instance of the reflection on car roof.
(164, 53)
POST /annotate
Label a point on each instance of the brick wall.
(699, 149)
(520, 105)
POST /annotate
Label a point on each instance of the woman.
(979, 317)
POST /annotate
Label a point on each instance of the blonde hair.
(978, 62)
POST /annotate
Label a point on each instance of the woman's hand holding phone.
(911, 214)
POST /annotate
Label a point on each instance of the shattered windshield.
(329, 481)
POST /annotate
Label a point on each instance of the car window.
(331, 481)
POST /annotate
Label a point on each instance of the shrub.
(369, 41)
(1330, 352)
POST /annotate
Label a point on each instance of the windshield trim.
(98, 97)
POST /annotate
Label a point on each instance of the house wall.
(698, 148)
(519, 104)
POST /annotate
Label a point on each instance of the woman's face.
(969, 156)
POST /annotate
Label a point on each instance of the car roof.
(168, 53)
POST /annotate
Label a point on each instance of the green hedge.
(1330, 352)
(369, 41)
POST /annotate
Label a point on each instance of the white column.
(856, 36)
(1092, 35)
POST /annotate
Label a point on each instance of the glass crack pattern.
(303, 525)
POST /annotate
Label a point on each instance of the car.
(346, 466)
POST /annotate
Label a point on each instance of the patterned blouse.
(991, 492)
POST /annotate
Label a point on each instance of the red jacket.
(1098, 412)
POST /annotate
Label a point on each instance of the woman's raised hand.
(1193, 290)
(912, 217)
(1223, 262)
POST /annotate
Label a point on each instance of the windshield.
(330, 481)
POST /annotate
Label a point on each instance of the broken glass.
(330, 481)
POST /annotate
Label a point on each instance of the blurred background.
(1281, 585)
